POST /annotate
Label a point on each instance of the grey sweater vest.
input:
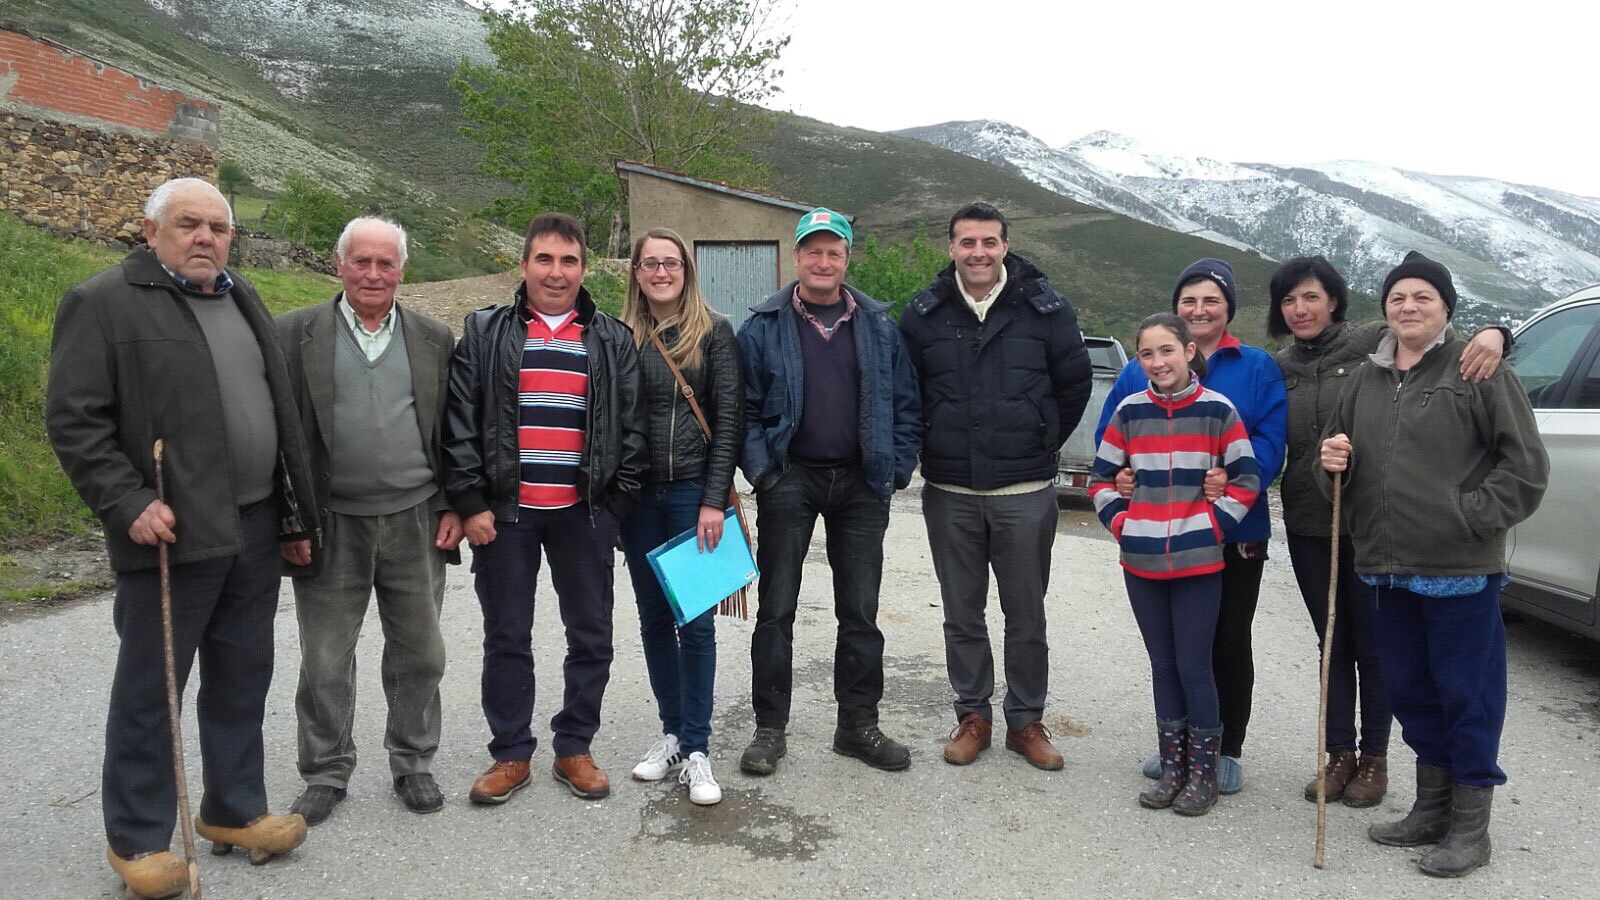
(376, 460)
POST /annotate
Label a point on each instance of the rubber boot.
(1199, 792)
(268, 836)
(1171, 738)
(151, 875)
(1466, 847)
(1429, 819)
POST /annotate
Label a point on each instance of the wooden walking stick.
(172, 691)
(1327, 665)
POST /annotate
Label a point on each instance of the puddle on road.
(743, 819)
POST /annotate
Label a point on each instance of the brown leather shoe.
(504, 778)
(1033, 742)
(1370, 783)
(582, 776)
(970, 737)
(1341, 767)
(151, 875)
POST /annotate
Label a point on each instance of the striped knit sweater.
(1169, 529)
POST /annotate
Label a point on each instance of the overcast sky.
(1507, 90)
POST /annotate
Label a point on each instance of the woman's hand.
(1336, 453)
(708, 533)
(1482, 355)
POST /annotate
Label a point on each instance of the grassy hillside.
(36, 502)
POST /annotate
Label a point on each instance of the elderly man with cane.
(170, 345)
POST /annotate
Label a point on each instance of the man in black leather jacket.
(545, 451)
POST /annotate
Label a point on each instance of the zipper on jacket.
(672, 435)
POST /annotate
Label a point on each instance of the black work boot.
(1466, 847)
(316, 802)
(869, 745)
(766, 748)
(1172, 737)
(1199, 792)
(1429, 819)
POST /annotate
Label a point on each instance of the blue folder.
(694, 581)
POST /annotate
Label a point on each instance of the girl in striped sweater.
(1171, 435)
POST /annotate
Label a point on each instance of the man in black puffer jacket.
(1004, 378)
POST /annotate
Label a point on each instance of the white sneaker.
(663, 759)
(703, 787)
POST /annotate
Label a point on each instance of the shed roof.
(639, 168)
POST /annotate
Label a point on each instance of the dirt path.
(450, 301)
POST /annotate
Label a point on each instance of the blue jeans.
(1178, 619)
(682, 662)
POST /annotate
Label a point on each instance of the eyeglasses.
(671, 264)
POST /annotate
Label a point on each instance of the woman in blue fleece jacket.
(1204, 297)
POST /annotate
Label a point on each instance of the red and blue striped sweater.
(1168, 529)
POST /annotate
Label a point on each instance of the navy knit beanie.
(1415, 265)
(1214, 269)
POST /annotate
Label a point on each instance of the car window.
(1545, 349)
(1103, 354)
(1586, 392)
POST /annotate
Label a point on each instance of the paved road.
(826, 825)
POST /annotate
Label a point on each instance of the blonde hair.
(693, 318)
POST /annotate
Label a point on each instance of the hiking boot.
(1370, 783)
(1172, 737)
(1033, 742)
(266, 836)
(1429, 819)
(315, 804)
(703, 787)
(151, 875)
(419, 792)
(766, 748)
(970, 737)
(581, 776)
(1199, 792)
(872, 747)
(504, 778)
(662, 759)
(1466, 847)
(1340, 768)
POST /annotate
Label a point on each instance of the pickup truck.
(1077, 454)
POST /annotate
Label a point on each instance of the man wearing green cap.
(833, 426)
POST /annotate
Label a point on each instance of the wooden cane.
(1327, 666)
(172, 690)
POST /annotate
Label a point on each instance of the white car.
(1554, 557)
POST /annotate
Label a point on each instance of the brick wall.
(82, 143)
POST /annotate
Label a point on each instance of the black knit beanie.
(1214, 269)
(1415, 265)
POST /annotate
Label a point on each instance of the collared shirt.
(827, 331)
(223, 285)
(1389, 345)
(981, 307)
(552, 410)
(372, 343)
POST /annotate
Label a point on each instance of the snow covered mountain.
(1510, 246)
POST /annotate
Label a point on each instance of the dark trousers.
(222, 611)
(392, 556)
(1445, 658)
(682, 661)
(1232, 658)
(1013, 533)
(1178, 620)
(1354, 664)
(580, 550)
(856, 519)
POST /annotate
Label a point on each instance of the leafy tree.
(579, 84)
(894, 273)
(311, 213)
(230, 177)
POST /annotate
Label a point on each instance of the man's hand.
(154, 525)
(1482, 355)
(1216, 482)
(1125, 483)
(298, 553)
(450, 533)
(480, 528)
(1336, 453)
(708, 533)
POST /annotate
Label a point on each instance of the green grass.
(36, 501)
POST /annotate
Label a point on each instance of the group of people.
(353, 445)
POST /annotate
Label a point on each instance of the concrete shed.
(742, 240)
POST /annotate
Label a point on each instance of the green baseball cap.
(823, 219)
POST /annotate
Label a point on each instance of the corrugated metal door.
(736, 275)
